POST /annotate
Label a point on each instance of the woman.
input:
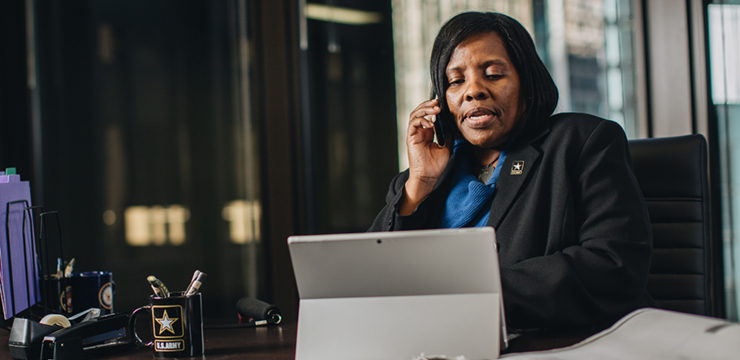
(572, 226)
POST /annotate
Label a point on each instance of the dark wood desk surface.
(278, 343)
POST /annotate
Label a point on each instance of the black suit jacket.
(573, 229)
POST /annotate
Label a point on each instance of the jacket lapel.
(524, 157)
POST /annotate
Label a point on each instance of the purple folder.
(18, 278)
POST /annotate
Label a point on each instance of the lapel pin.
(517, 167)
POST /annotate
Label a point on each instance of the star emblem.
(517, 167)
(166, 323)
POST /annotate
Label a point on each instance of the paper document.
(653, 334)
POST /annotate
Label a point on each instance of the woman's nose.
(475, 91)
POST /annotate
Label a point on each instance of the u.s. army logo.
(167, 322)
(517, 167)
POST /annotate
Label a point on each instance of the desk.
(261, 343)
(278, 343)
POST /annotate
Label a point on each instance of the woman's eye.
(495, 76)
(456, 82)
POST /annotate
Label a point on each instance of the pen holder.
(177, 325)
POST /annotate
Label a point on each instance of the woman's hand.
(427, 160)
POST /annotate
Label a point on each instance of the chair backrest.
(673, 176)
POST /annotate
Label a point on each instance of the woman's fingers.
(420, 131)
(427, 108)
(421, 121)
(424, 123)
(426, 159)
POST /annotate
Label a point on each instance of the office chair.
(685, 269)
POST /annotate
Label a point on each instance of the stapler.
(100, 336)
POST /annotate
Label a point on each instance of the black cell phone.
(441, 124)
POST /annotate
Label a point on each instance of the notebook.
(398, 295)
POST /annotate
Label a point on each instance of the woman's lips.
(479, 118)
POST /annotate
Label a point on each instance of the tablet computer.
(397, 295)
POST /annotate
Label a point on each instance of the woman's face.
(483, 95)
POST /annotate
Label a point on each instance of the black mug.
(177, 325)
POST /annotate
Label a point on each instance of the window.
(149, 145)
(724, 55)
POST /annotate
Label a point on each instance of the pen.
(195, 277)
(158, 286)
(195, 285)
(68, 269)
(59, 268)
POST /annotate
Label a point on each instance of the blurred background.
(181, 135)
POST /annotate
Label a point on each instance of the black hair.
(537, 89)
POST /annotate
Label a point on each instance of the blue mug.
(91, 289)
(59, 299)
